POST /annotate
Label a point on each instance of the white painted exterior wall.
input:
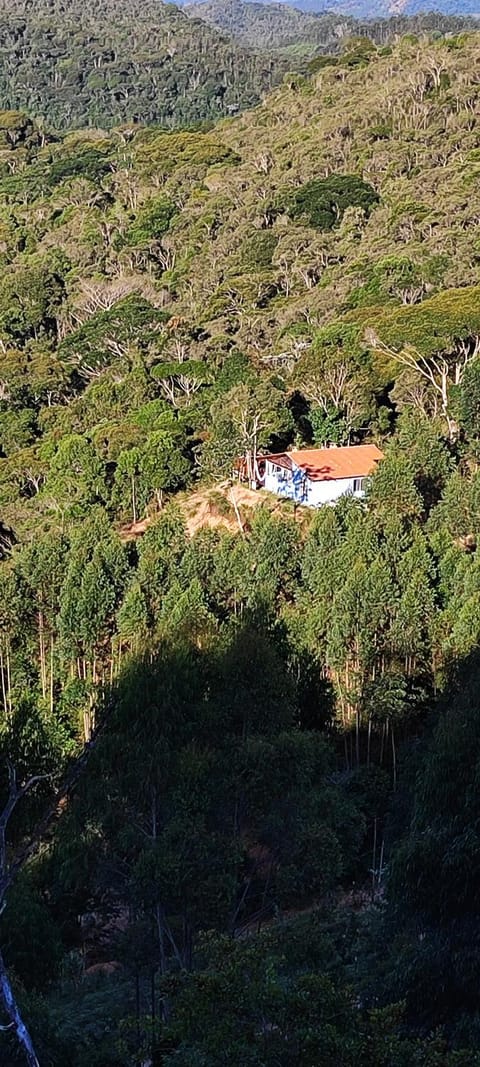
(319, 493)
(294, 485)
(278, 480)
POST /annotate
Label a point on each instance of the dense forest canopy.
(254, 727)
(89, 64)
(80, 64)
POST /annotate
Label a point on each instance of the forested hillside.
(89, 64)
(280, 27)
(274, 26)
(80, 64)
(240, 755)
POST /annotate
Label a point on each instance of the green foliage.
(302, 33)
(89, 163)
(434, 325)
(440, 844)
(161, 464)
(151, 223)
(407, 279)
(110, 335)
(257, 252)
(76, 474)
(156, 150)
(17, 430)
(35, 950)
(30, 300)
(324, 200)
(469, 401)
(248, 1003)
(328, 426)
(269, 1000)
(244, 421)
(106, 67)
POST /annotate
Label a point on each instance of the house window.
(358, 484)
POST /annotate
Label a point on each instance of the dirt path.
(222, 505)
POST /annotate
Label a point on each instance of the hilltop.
(275, 26)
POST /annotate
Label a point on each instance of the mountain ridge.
(370, 9)
(278, 27)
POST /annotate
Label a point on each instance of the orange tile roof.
(330, 464)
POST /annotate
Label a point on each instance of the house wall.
(279, 481)
(294, 485)
(319, 493)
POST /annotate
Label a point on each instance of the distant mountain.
(273, 26)
(385, 8)
(279, 27)
(371, 9)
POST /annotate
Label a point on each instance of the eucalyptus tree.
(244, 421)
(90, 596)
(437, 340)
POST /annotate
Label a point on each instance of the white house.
(317, 476)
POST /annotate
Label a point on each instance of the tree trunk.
(134, 500)
(9, 681)
(137, 1008)
(41, 641)
(4, 689)
(382, 744)
(52, 689)
(374, 860)
(7, 998)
